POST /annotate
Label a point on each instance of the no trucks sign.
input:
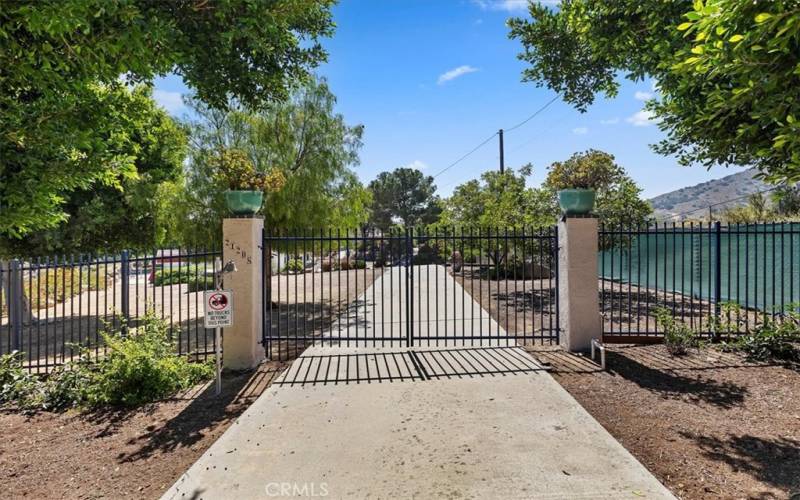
(218, 308)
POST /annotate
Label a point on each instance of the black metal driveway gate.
(409, 287)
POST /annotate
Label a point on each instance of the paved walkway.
(435, 423)
(443, 312)
(430, 422)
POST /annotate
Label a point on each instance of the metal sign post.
(218, 305)
(218, 330)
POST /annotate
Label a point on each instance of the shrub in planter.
(246, 186)
(577, 179)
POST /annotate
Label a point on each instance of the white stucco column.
(578, 302)
(241, 243)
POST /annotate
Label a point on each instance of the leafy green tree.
(496, 203)
(726, 71)
(786, 199)
(109, 218)
(403, 196)
(59, 129)
(498, 200)
(618, 202)
(312, 148)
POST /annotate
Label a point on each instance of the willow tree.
(303, 138)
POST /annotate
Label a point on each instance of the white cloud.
(170, 101)
(642, 118)
(506, 5)
(417, 165)
(580, 131)
(610, 121)
(641, 95)
(455, 73)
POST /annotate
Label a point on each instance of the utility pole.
(502, 159)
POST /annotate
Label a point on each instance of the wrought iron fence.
(703, 273)
(54, 307)
(409, 287)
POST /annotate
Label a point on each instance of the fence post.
(717, 273)
(15, 310)
(578, 301)
(125, 299)
(243, 244)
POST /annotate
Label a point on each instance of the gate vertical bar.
(125, 298)
(409, 288)
(266, 273)
(16, 310)
(554, 258)
(717, 273)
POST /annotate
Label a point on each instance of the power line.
(526, 120)
(445, 169)
(523, 122)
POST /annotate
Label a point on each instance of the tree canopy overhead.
(727, 71)
(59, 59)
(103, 218)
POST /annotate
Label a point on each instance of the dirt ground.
(708, 425)
(522, 307)
(121, 454)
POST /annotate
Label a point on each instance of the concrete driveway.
(485, 422)
(444, 313)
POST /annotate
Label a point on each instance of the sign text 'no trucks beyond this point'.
(218, 308)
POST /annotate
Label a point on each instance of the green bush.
(200, 283)
(678, 336)
(175, 276)
(358, 264)
(141, 367)
(771, 340)
(16, 384)
(138, 368)
(295, 266)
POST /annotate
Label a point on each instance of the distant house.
(167, 256)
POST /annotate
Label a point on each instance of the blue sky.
(430, 80)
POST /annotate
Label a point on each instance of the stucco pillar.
(578, 303)
(241, 343)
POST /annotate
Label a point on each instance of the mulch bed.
(126, 453)
(709, 425)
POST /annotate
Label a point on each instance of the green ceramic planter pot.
(576, 201)
(244, 202)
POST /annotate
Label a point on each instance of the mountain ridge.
(723, 193)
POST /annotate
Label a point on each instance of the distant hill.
(697, 198)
